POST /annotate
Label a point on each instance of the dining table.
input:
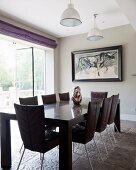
(63, 114)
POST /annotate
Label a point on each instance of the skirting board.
(128, 117)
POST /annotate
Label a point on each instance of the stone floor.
(121, 156)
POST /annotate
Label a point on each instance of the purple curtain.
(23, 34)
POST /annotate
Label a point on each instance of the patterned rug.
(121, 156)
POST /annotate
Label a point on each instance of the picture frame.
(97, 65)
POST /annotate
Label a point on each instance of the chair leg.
(98, 149)
(21, 147)
(104, 144)
(116, 127)
(21, 159)
(90, 163)
(73, 147)
(42, 161)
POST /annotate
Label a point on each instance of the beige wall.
(124, 35)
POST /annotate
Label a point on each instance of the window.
(23, 71)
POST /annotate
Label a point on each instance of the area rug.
(121, 156)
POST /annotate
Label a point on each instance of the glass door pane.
(7, 76)
(39, 72)
(24, 72)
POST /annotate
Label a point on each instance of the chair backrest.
(98, 95)
(29, 100)
(104, 114)
(115, 100)
(31, 125)
(64, 96)
(49, 99)
(92, 118)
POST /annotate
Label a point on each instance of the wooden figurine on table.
(77, 97)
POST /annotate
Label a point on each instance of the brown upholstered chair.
(115, 100)
(85, 134)
(64, 96)
(98, 95)
(29, 100)
(104, 117)
(83, 123)
(32, 129)
(49, 99)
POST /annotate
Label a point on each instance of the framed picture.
(97, 65)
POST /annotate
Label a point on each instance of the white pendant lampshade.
(95, 33)
(70, 17)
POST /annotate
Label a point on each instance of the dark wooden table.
(62, 114)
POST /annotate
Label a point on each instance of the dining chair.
(115, 101)
(29, 100)
(95, 94)
(49, 99)
(31, 123)
(83, 123)
(64, 96)
(85, 134)
(103, 118)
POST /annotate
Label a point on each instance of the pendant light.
(70, 17)
(95, 33)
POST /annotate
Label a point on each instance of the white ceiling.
(45, 15)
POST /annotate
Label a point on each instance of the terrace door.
(30, 72)
(24, 72)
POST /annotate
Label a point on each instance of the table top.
(63, 110)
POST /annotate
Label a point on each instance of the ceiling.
(45, 15)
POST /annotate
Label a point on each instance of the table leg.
(5, 143)
(117, 119)
(65, 147)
